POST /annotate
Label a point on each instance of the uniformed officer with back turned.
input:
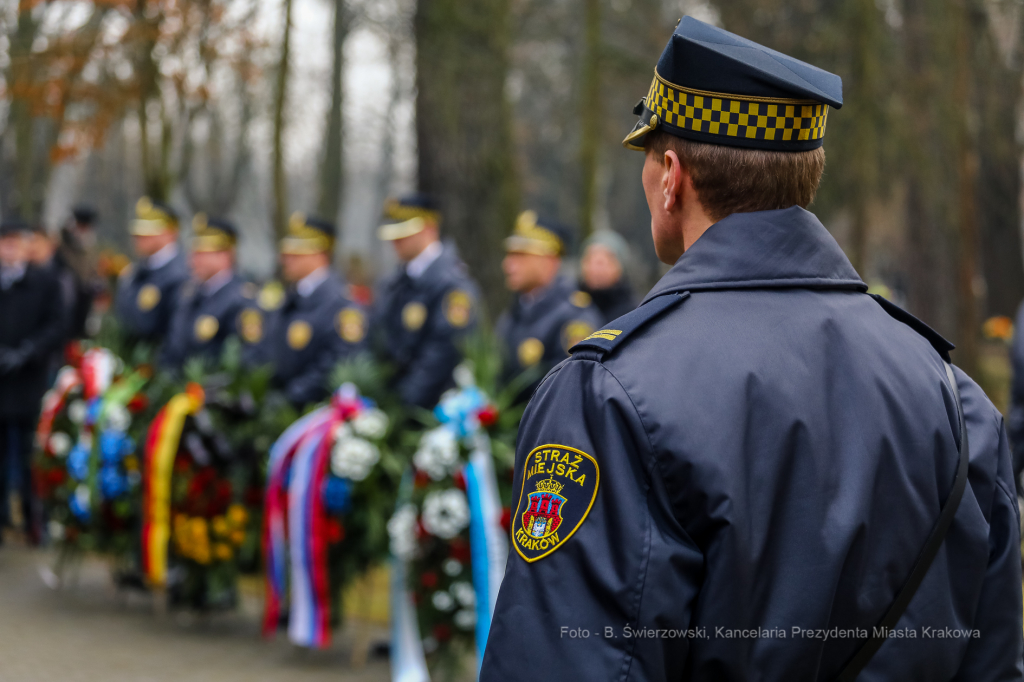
(424, 311)
(548, 315)
(217, 303)
(763, 472)
(317, 325)
(148, 290)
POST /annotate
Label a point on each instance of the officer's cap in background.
(14, 225)
(715, 87)
(307, 235)
(538, 236)
(408, 215)
(213, 234)
(84, 214)
(153, 218)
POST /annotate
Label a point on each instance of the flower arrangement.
(331, 482)
(446, 535)
(86, 470)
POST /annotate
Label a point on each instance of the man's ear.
(672, 179)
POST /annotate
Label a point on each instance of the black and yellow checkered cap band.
(734, 120)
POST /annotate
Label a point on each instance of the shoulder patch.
(617, 331)
(559, 489)
(458, 308)
(941, 345)
(581, 299)
(351, 325)
(271, 296)
(250, 325)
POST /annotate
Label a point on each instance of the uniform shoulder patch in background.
(206, 327)
(581, 299)
(559, 488)
(458, 308)
(250, 325)
(414, 314)
(351, 325)
(148, 297)
(299, 334)
(271, 296)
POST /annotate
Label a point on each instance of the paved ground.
(92, 634)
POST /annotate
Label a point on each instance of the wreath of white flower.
(445, 513)
(438, 454)
(353, 458)
(402, 531)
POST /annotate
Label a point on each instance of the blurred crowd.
(183, 302)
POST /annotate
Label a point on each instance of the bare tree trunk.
(21, 117)
(280, 97)
(968, 323)
(464, 128)
(591, 113)
(331, 173)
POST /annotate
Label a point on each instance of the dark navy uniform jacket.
(419, 323)
(759, 447)
(1015, 423)
(309, 335)
(540, 333)
(146, 297)
(203, 322)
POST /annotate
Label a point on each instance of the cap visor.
(393, 231)
(637, 137)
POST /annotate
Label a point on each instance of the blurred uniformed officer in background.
(148, 290)
(77, 253)
(316, 325)
(30, 330)
(425, 309)
(216, 303)
(548, 315)
(746, 475)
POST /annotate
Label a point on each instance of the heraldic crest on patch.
(559, 488)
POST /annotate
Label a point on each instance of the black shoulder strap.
(924, 559)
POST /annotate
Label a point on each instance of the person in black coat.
(30, 310)
(603, 276)
(77, 253)
(41, 254)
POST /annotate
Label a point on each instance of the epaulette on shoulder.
(941, 345)
(607, 339)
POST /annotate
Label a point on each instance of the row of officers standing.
(416, 323)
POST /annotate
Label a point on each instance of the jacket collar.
(329, 288)
(762, 250)
(545, 300)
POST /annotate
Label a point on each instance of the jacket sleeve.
(613, 599)
(1015, 423)
(997, 653)
(48, 335)
(437, 357)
